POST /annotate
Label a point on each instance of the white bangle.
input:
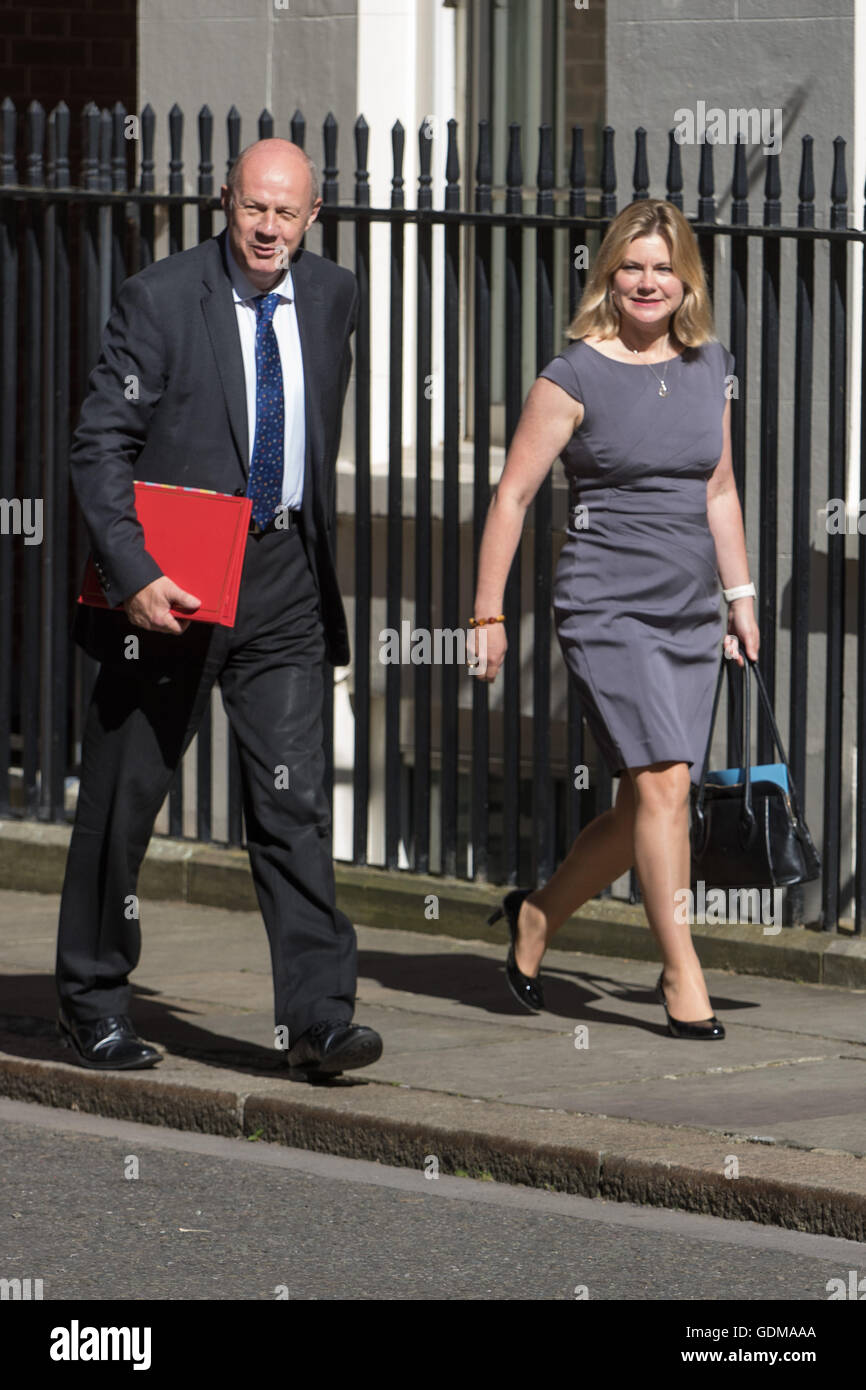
(741, 591)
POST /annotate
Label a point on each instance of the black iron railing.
(64, 250)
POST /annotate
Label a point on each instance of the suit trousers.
(142, 717)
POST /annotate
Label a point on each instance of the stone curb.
(817, 1191)
(33, 856)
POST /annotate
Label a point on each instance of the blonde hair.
(692, 323)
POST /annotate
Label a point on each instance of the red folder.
(198, 539)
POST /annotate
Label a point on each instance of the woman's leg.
(603, 851)
(662, 861)
(649, 828)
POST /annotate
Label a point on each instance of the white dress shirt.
(289, 343)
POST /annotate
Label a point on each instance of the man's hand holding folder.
(151, 607)
(198, 539)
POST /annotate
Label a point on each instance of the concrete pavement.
(591, 1097)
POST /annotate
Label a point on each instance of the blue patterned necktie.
(265, 485)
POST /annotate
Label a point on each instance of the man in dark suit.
(224, 367)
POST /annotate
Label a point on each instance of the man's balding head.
(270, 198)
(270, 150)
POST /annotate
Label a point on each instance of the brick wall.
(74, 50)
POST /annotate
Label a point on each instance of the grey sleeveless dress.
(636, 594)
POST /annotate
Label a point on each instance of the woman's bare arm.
(725, 520)
(548, 420)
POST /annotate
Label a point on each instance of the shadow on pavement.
(28, 1008)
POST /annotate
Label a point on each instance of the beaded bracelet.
(482, 622)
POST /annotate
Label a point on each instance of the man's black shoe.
(108, 1044)
(330, 1047)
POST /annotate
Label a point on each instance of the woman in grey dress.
(638, 407)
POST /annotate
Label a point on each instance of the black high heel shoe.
(525, 988)
(705, 1028)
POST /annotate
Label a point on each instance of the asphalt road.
(210, 1218)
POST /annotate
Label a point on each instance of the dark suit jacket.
(173, 328)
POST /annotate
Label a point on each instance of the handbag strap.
(746, 763)
(745, 744)
(699, 804)
(768, 710)
(748, 813)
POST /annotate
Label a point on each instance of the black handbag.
(747, 829)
